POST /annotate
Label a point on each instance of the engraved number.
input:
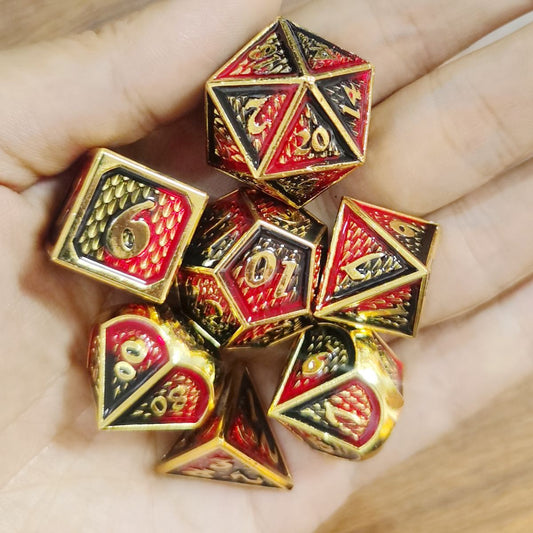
(353, 94)
(256, 104)
(351, 269)
(126, 238)
(404, 228)
(177, 397)
(133, 352)
(261, 268)
(318, 141)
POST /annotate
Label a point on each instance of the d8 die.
(235, 444)
(250, 273)
(151, 371)
(341, 391)
(377, 268)
(289, 112)
(127, 225)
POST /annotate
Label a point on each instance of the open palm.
(450, 142)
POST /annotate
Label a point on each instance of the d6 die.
(250, 273)
(127, 225)
(151, 371)
(289, 112)
(341, 391)
(377, 268)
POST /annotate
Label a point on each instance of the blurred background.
(462, 482)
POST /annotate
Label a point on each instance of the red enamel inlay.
(295, 149)
(355, 240)
(166, 223)
(263, 58)
(187, 396)
(131, 329)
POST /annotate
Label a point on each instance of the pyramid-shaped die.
(289, 112)
(341, 391)
(151, 371)
(377, 268)
(250, 274)
(236, 443)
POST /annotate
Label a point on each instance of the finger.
(484, 246)
(451, 131)
(112, 87)
(405, 39)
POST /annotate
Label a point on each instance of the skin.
(451, 142)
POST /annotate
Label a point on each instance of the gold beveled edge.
(171, 364)
(423, 221)
(105, 160)
(166, 465)
(388, 413)
(420, 272)
(361, 155)
(294, 48)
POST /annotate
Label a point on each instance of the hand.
(450, 142)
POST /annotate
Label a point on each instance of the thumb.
(113, 86)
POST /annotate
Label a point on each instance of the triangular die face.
(310, 140)
(223, 151)
(350, 413)
(321, 55)
(220, 465)
(302, 188)
(362, 259)
(268, 57)
(181, 397)
(349, 97)
(325, 352)
(135, 350)
(255, 113)
(249, 432)
(414, 234)
(394, 311)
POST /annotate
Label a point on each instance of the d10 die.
(151, 371)
(127, 225)
(236, 443)
(341, 391)
(250, 273)
(289, 112)
(377, 268)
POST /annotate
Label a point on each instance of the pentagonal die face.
(250, 276)
(145, 376)
(341, 391)
(377, 268)
(289, 112)
(127, 225)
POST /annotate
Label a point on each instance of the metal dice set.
(288, 115)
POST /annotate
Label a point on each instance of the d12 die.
(250, 273)
(236, 443)
(377, 268)
(151, 371)
(127, 225)
(289, 112)
(341, 391)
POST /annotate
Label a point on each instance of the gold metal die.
(377, 269)
(235, 444)
(341, 391)
(289, 113)
(151, 371)
(127, 225)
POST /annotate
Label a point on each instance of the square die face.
(128, 226)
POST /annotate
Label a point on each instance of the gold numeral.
(159, 405)
(404, 228)
(318, 141)
(261, 268)
(354, 95)
(288, 270)
(351, 269)
(256, 104)
(126, 238)
(134, 351)
(124, 371)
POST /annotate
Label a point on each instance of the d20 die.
(251, 271)
(151, 371)
(127, 225)
(377, 269)
(236, 444)
(289, 113)
(341, 391)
